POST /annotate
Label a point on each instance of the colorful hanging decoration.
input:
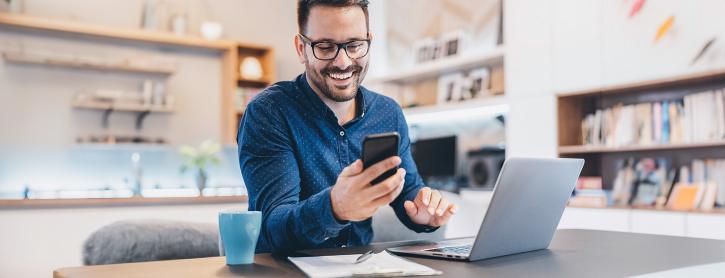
(702, 51)
(664, 28)
(636, 7)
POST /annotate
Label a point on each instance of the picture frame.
(454, 43)
(478, 83)
(450, 87)
(426, 50)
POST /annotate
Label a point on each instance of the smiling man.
(300, 142)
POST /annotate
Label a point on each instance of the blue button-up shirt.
(291, 150)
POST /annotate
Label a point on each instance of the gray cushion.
(150, 240)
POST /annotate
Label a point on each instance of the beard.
(331, 91)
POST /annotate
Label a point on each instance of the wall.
(41, 96)
(556, 46)
(38, 126)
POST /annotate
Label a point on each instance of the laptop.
(528, 200)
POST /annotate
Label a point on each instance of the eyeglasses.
(327, 50)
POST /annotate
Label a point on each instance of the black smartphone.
(378, 147)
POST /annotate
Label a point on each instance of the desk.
(573, 253)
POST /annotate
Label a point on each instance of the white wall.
(555, 46)
(37, 241)
(531, 122)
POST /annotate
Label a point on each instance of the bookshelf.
(232, 52)
(602, 159)
(570, 150)
(232, 113)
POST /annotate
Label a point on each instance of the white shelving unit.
(432, 70)
(443, 66)
(453, 106)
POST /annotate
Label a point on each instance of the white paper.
(380, 264)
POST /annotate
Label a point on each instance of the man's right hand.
(355, 199)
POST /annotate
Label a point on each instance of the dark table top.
(573, 253)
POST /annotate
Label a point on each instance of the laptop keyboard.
(461, 250)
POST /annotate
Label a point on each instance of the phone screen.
(378, 147)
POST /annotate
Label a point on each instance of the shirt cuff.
(329, 223)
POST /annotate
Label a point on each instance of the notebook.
(380, 264)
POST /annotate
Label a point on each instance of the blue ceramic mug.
(239, 231)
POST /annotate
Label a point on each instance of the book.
(657, 122)
(650, 175)
(697, 117)
(683, 197)
(622, 187)
(593, 183)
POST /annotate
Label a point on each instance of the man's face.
(340, 78)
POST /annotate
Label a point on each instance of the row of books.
(653, 182)
(698, 117)
(699, 185)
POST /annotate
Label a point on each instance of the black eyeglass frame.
(338, 45)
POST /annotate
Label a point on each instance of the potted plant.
(198, 159)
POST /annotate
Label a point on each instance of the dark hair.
(304, 7)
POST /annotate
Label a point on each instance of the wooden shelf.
(53, 25)
(263, 82)
(130, 201)
(713, 211)
(96, 105)
(675, 81)
(442, 66)
(37, 59)
(604, 149)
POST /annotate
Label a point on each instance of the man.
(299, 143)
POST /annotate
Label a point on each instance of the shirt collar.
(321, 107)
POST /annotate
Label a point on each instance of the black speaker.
(484, 165)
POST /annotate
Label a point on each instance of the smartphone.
(378, 147)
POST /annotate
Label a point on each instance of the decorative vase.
(201, 178)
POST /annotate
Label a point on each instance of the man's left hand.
(429, 208)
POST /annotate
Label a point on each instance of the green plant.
(200, 158)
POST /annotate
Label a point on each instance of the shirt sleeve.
(413, 180)
(271, 174)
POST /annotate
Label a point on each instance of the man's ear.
(300, 48)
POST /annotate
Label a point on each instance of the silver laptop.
(528, 200)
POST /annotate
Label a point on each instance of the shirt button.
(342, 133)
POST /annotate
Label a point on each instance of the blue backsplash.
(80, 168)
